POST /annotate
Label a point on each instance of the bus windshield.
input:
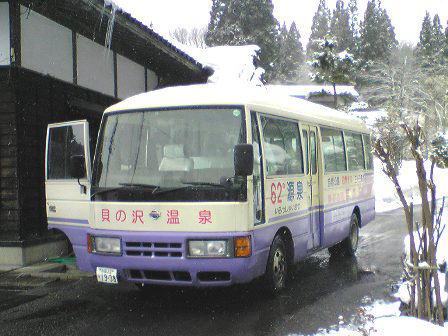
(169, 154)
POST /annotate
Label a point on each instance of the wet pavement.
(322, 289)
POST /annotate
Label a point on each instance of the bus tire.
(277, 266)
(349, 245)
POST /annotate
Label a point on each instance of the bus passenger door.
(67, 198)
(310, 140)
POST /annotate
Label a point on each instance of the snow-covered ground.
(386, 196)
(382, 319)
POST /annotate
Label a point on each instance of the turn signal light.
(242, 246)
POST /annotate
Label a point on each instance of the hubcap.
(279, 265)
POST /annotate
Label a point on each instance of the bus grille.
(154, 249)
(134, 274)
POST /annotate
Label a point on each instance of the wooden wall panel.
(9, 200)
(42, 100)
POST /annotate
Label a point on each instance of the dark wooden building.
(54, 67)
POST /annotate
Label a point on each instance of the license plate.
(106, 275)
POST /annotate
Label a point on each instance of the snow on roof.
(370, 117)
(230, 63)
(307, 91)
(260, 98)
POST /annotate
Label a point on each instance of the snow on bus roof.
(253, 96)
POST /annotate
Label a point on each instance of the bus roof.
(260, 99)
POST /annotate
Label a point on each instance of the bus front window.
(178, 154)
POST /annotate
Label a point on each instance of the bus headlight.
(209, 248)
(104, 245)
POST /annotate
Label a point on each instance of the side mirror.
(77, 166)
(243, 159)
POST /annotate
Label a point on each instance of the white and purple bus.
(209, 186)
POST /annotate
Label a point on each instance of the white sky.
(166, 15)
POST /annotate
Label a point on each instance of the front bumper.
(161, 258)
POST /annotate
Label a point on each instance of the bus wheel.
(349, 245)
(277, 266)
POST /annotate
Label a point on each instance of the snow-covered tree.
(421, 267)
(445, 45)
(319, 28)
(437, 32)
(245, 22)
(290, 57)
(377, 34)
(430, 48)
(330, 66)
(425, 44)
(194, 37)
(340, 27)
(416, 115)
(354, 20)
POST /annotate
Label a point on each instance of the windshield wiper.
(206, 184)
(124, 186)
(141, 185)
(187, 185)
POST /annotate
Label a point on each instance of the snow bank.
(442, 258)
(409, 326)
(386, 196)
(383, 319)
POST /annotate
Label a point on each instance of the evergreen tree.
(332, 67)
(430, 48)
(437, 35)
(319, 28)
(424, 45)
(340, 27)
(377, 34)
(354, 23)
(290, 56)
(242, 22)
(445, 45)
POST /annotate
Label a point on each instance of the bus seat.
(201, 162)
(174, 159)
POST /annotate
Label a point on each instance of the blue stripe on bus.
(68, 220)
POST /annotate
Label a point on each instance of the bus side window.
(367, 151)
(305, 139)
(333, 150)
(64, 142)
(355, 153)
(257, 178)
(283, 148)
(313, 152)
